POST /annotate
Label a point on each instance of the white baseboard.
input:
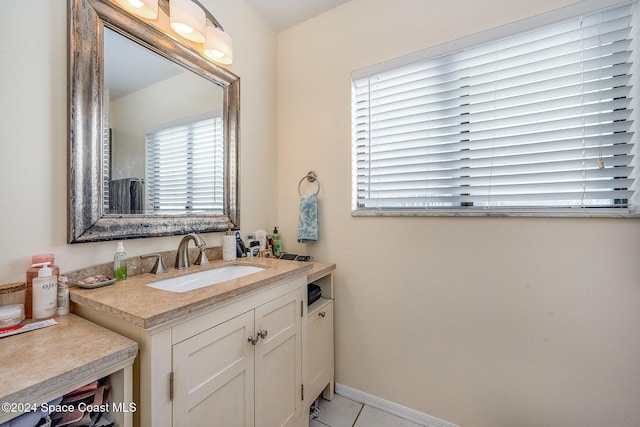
(390, 407)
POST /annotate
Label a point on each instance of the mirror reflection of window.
(144, 92)
(185, 164)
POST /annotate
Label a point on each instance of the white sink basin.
(203, 279)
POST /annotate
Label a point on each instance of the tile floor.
(342, 412)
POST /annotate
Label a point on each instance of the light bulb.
(218, 46)
(181, 28)
(188, 20)
(145, 8)
(214, 53)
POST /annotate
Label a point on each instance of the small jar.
(13, 293)
(11, 315)
(12, 304)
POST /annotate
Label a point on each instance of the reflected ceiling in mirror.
(163, 134)
(113, 119)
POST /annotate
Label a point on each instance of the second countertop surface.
(39, 363)
(130, 300)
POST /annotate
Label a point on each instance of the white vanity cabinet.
(248, 352)
(237, 363)
(320, 352)
(246, 371)
(320, 358)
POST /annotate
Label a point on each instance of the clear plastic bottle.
(32, 273)
(120, 263)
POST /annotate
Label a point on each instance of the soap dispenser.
(45, 293)
(120, 262)
(277, 242)
(37, 262)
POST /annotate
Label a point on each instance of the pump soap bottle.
(277, 242)
(45, 293)
(37, 262)
(120, 262)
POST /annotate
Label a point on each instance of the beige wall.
(478, 321)
(33, 134)
(482, 322)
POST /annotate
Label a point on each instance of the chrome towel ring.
(311, 176)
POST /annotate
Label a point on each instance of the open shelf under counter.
(322, 275)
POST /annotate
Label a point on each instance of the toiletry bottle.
(229, 246)
(120, 263)
(261, 237)
(45, 293)
(63, 295)
(241, 248)
(277, 243)
(32, 273)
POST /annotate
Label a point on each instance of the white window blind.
(538, 122)
(190, 156)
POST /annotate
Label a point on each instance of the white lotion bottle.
(45, 293)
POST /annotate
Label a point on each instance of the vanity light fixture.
(190, 20)
(218, 45)
(145, 8)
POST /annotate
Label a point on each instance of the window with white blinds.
(187, 156)
(536, 122)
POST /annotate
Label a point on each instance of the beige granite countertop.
(130, 300)
(38, 363)
(319, 269)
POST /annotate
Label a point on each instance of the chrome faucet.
(182, 257)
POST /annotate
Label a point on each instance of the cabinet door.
(320, 344)
(214, 376)
(278, 361)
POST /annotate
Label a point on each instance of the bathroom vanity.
(240, 350)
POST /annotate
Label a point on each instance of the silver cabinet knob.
(322, 314)
(253, 339)
(262, 333)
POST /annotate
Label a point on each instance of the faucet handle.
(158, 267)
(202, 257)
